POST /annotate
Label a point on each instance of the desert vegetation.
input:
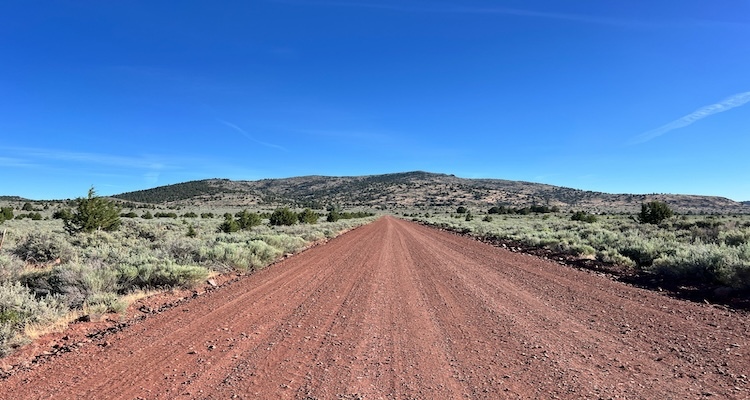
(87, 259)
(708, 251)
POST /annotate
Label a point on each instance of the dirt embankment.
(397, 310)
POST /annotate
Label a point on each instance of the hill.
(412, 190)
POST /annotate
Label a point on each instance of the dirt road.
(394, 310)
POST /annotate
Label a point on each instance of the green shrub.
(6, 214)
(229, 225)
(147, 215)
(583, 216)
(41, 248)
(190, 214)
(308, 216)
(734, 238)
(247, 220)
(182, 251)
(11, 267)
(18, 308)
(283, 216)
(654, 212)
(333, 216)
(165, 215)
(64, 214)
(264, 253)
(461, 210)
(102, 303)
(93, 214)
(72, 283)
(161, 274)
(284, 243)
(224, 257)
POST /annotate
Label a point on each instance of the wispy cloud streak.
(453, 9)
(248, 136)
(15, 163)
(703, 112)
(38, 155)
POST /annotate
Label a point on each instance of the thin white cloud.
(346, 134)
(703, 112)
(37, 156)
(248, 136)
(453, 9)
(15, 163)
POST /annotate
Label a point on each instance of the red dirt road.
(394, 310)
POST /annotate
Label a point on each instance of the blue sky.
(615, 96)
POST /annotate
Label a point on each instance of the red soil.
(397, 310)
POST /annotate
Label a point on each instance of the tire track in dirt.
(395, 310)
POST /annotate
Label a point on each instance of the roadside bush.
(18, 309)
(102, 303)
(72, 283)
(283, 216)
(40, 248)
(11, 267)
(263, 253)
(705, 263)
(224, 257)
(333, 216)
(161, 274)
(183, 251)
(284, 243)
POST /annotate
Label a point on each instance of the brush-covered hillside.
(412, 190)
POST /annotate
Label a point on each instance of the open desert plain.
(397, 310)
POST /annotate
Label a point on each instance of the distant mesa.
(413, 190)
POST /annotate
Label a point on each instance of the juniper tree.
(308, 216)
(283, 216)
(93, 213)
(654, 212)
